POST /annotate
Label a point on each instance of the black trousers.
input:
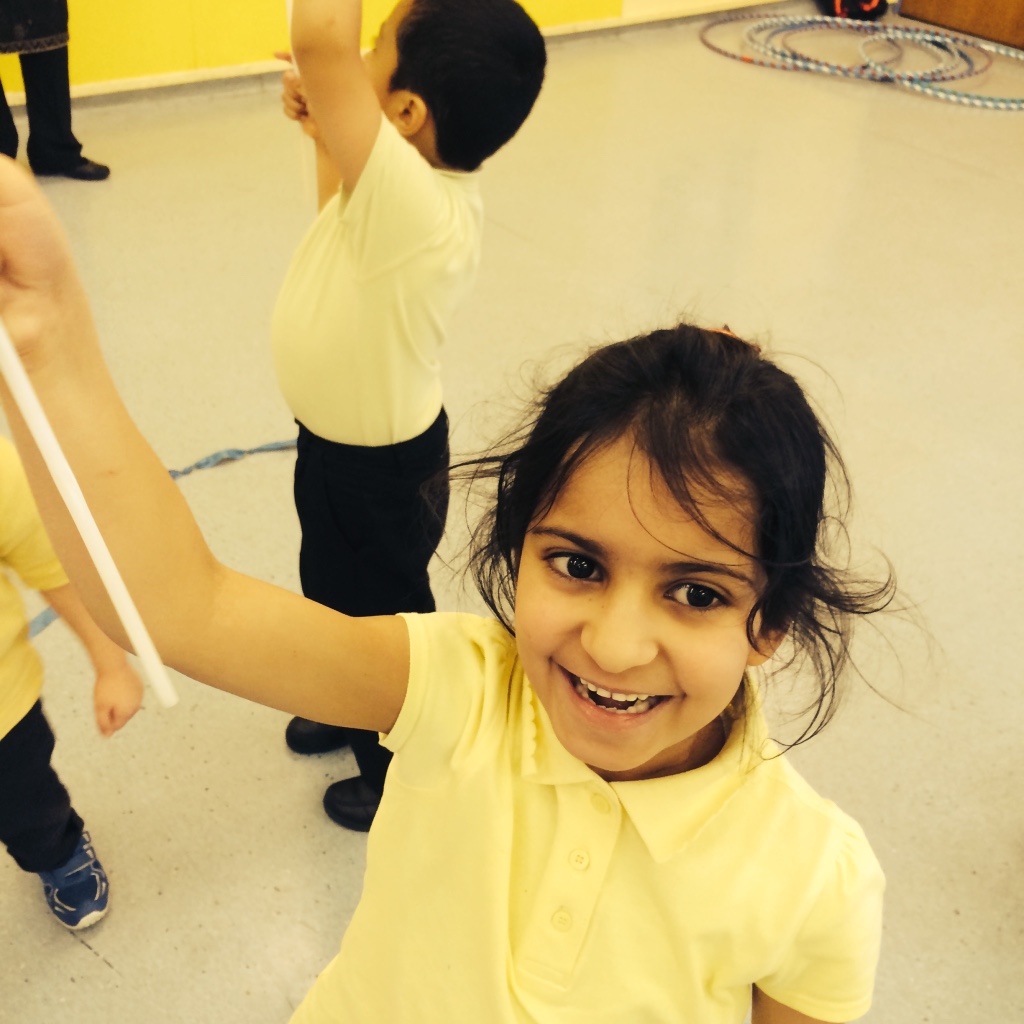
(38, 825)
(371, 520)
(52, 145)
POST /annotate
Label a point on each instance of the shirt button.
(579, 859)
(600, 803)
(562, 920)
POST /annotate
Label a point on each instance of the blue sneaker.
(77, 891)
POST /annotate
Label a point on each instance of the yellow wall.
(118, 40)
(548, 13)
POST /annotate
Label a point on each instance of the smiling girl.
(585, 820)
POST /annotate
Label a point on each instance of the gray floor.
(871, 237)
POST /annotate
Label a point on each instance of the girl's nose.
(619, 635)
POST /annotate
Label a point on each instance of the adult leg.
(52, 146)
(8, 129)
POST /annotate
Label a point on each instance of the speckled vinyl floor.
(871, 237)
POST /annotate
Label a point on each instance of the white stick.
(57, 463)
(306, 150)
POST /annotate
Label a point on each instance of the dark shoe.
(352, 803)
(84, 170)
(77, 891)
(306, 737)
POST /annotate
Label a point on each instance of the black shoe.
(352, 803)
(306, 737)
(84, 170)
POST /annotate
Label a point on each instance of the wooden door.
(1000, 20)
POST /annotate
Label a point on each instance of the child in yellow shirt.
(38, 825)
(360, 323)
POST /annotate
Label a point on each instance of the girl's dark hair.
(697, 403)
(478, 65)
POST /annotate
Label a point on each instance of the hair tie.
(724, 329)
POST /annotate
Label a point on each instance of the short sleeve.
(399, 207)
(24, 546)
(456, 704)
(829, 971)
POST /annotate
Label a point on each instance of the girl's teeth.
(602, 692)
(637, 703)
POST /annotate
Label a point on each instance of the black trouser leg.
(52, 145)
(38, 825)
(8, 130)
(371, 520)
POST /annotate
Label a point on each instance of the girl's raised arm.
(211, 623)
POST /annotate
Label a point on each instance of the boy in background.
(365, 306)
(38, 825)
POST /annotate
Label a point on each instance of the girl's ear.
(767, 645)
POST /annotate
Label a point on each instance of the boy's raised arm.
(293, 100)
(213, 624)
(325, 36)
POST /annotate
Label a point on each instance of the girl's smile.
(614, 702)
(631, 619)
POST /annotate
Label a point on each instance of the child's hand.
(116, 697)
(293, 98)
(117, 693)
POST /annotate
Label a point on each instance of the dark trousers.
(52, 145)
(38, 825)
(371, 519)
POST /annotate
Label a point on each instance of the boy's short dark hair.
(478, 65)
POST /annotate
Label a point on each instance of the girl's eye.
(579, 567)
(693, 595)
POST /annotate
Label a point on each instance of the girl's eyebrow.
(591, 547)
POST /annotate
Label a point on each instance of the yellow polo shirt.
(506, 882)
(366, 304)
(26, 550)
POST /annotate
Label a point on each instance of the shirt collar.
(694, 797)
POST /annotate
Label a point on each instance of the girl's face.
(631, 619)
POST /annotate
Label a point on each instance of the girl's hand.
(39, 286)
(293, 98)
(116, 697)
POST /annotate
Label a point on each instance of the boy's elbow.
(326, 65)
(325, 45)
